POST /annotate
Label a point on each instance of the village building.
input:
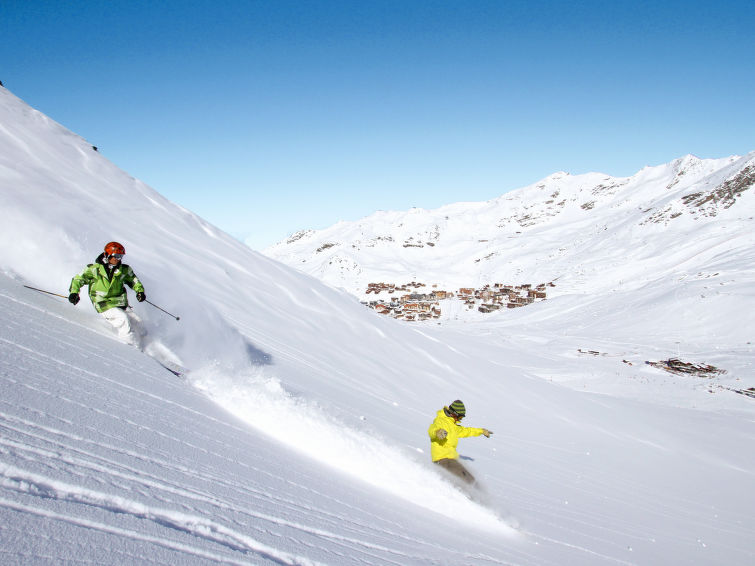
(414, 305)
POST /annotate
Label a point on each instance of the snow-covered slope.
(107, 459)
(300, 435)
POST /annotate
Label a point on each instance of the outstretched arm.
(466, 431)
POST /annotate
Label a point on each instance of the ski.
(175, 369)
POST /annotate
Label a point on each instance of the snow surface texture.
(300, 435)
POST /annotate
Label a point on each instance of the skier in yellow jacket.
(445, 433)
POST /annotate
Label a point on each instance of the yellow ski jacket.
(446, 448)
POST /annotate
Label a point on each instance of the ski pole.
(48, 292)
(162, 309)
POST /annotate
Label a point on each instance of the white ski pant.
(126, 325)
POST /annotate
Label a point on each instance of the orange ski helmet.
(112, 248)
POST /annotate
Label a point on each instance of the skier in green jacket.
(445, 432)
(107, 278)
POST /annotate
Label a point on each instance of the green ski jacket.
(106, 286)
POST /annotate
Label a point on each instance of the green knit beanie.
(458, 408)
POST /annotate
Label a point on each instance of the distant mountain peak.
(537, 233)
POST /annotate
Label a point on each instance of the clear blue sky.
(266, 117)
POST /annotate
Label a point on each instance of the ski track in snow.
(261, 401)
(44, 450)
(121, 533)
(197, 526)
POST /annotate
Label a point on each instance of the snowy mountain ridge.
(542, 232)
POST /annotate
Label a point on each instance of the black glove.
(140, 296)
(73, 298)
